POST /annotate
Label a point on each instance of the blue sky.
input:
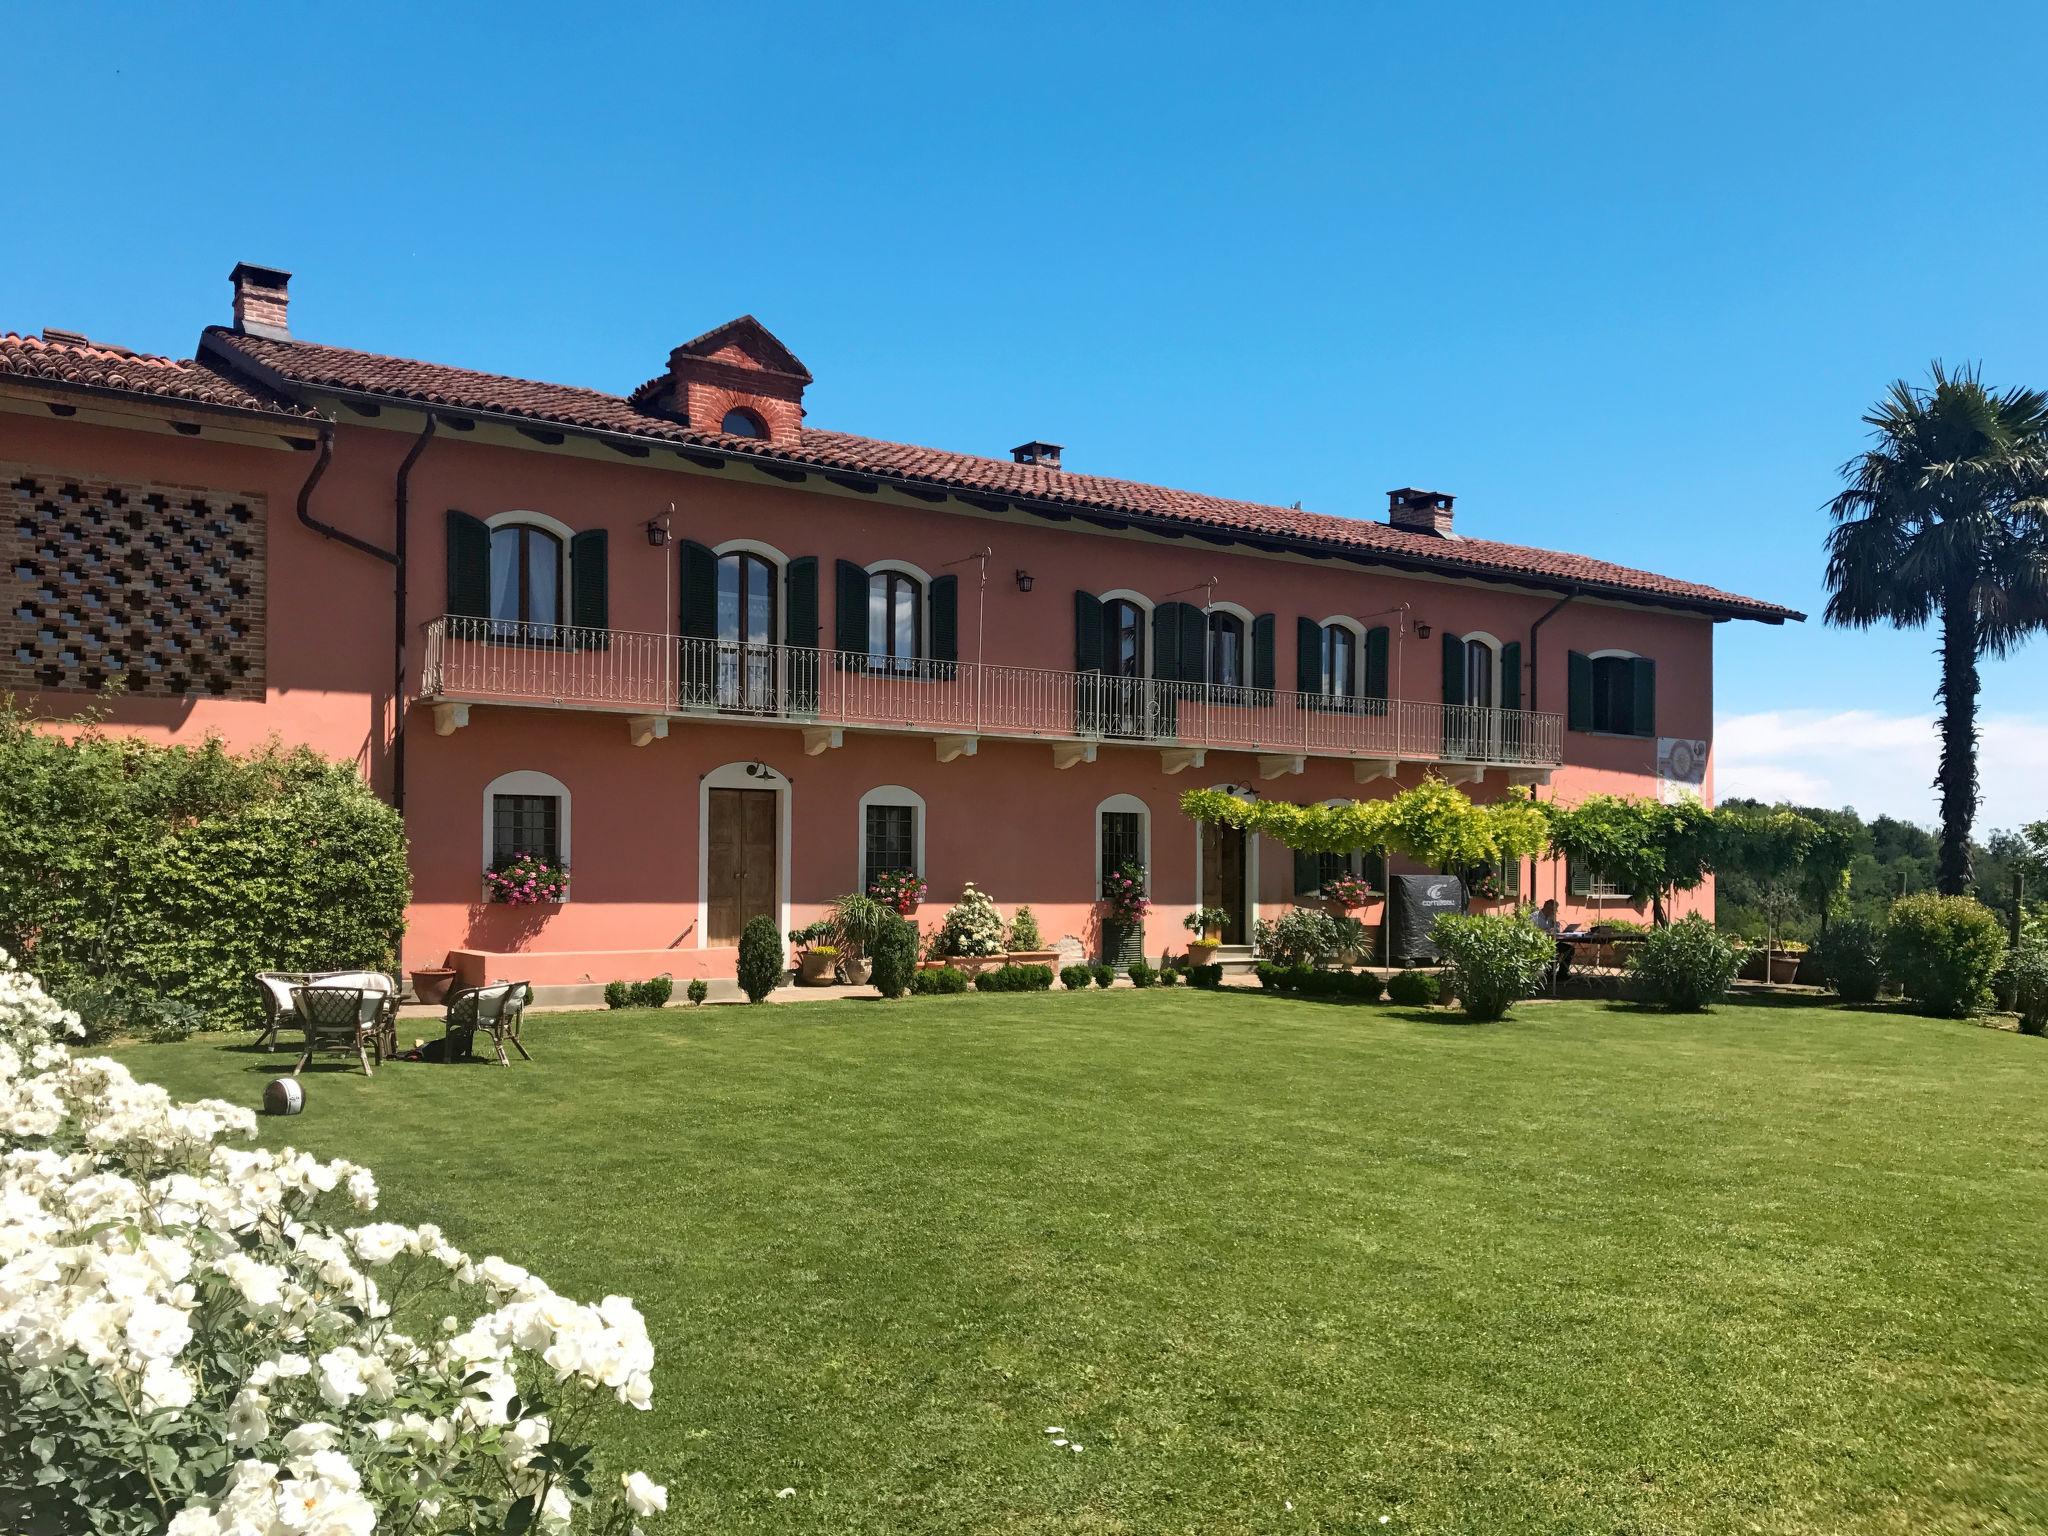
(1624, 278)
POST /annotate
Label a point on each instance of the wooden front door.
(740, 863)
(1223, 869)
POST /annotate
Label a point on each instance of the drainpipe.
(1535, 672)
(401, 511)
(328, 530)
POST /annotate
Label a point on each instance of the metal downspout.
(1535, 700)
(401, 510)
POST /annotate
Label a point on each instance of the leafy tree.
(1945, 518)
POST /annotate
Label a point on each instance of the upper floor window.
(1123, 638)
(746, 598)
(895, 620)
(1340, 662)
(526, 575)
(1614, 692)
(741, 422)
(1481, 673)
(1227, 653)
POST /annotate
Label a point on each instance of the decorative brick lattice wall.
(157, 586)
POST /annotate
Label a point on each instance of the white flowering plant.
(185, 1347)
(973, 927)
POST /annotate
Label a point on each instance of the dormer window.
(741, 422)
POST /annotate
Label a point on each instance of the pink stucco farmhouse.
(721, 662)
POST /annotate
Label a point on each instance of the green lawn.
(1775, 1269)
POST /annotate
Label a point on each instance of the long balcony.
(659, 680)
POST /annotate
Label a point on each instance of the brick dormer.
(738, 379)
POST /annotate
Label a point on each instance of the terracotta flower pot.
(1033, 956)
(816, 969)
(856, 969)
(431, 984)
(1202, 951)
(1784, 968)
(906, 906)
(974, 965)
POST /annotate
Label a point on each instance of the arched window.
(1229, 658)
(741, 422)
(527, 568)
(895, 621)
(748, 584)
(1341, 665)
(1123, 638)
(891, 832)
(526, 813)
(1482, 672)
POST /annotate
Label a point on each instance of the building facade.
(720, 662)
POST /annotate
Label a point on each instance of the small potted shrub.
(1027, 944)
(972, 937)
(857, 923)
(1206, 924)
(898, 888)
(817, 958)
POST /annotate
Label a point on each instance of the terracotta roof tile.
(287, 364)
(61, 358)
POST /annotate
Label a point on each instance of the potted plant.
(902, 889)
(1027, 944)
(1206, 924)
(526, 879)
(817, 958)
(971, 938)
(1352, 938)
(1125, 904)
(1484, 886)
(1346, 893)
(431, 983)
(857, 920)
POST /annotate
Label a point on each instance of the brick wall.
(158, 586)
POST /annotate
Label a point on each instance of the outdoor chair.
(339, 1019)
(497, 1010)
(275, 988)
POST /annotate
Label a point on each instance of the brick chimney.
(260, 301)
(737, 379)
(1044, 455)
(1420, 511)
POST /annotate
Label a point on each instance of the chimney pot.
(261, 303)
(1044, 455)
(1420, 511)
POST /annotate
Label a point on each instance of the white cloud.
(1880, 764)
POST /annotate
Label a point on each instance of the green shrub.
(618, 994)
(973, 928)
(1303, 936)
(1037, 978)
(1850, 956)
(1075, 977)
(1024, 932)
(1943, 951)
(940, 981)
(1169, 976)
(760, 958)
(1367, 985)
(894, 955)
(1494, 961)
(653, 993)
(1014, 978)
(1105, 975)
(1269, 975)
(1141, 973)
(179, 872)
(1684, 966)
(1299, 977)
(1209, 977)
(697, 991)
(113, 1008)
(1413, 989)
(2026, 972)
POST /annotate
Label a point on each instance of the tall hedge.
(181, 871)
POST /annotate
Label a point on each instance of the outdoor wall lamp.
(657, 531)
(1024, 579)
(1422, 631)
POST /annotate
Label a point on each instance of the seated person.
(1546, 919)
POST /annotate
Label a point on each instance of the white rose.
(157, 1332)
(165, 1385)
(644, 1496)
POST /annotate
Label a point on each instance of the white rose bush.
(186, 1348)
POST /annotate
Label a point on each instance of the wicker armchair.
(275, 989)
(497, 1010)
(339, 1019)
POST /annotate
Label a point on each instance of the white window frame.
(527, 781)
(889, 794)
(738, 776)
(1494, 647)
(1341, 621)
(546, 524)
(1125, 803)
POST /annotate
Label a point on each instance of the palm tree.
(1947, 517)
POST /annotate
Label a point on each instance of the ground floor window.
(1123, 840)
(888, 841)
(1581, 881)
(526, 824)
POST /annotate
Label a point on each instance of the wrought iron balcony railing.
(485, 661)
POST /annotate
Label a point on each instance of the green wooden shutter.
(1579, 691)
(1643, 716)
(1166, 641)
(1511, 675)
(1308, 873)
(1262, 651)
(800, 602)
(1194, 644)
(1087, 632)
(850, 614)
(698, 619)
(1378, 642)
(469, 566)
(945, 600)
(590, 588)
(1308, 656)
(1454, 668)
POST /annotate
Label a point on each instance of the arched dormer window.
(741, 422)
